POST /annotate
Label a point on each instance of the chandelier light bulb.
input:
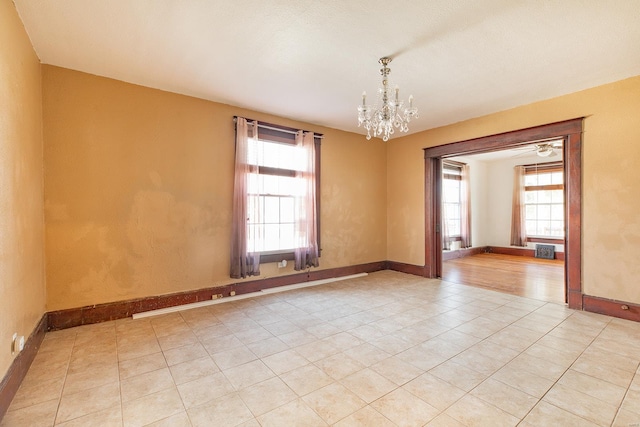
(387, 114)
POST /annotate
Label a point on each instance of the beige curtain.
(445, 232)
(518, 225)
(245, 255)
(446, 236)
(306, 252)
(465, 208)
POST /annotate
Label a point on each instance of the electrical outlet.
(232, 293)
(216, 296)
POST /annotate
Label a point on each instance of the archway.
(571, 132)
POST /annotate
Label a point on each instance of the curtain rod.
(266, 126)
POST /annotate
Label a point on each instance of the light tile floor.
(383, 350)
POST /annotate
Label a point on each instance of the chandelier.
(388, 112)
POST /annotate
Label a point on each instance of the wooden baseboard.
(621, 309)
(416, 270)
(518, 251)
(274, 282)
(461, 253)
(20, 365)
(62, 319)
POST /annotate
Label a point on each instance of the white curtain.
(306, 252)
(245, 255)
(446, 236)
(518, 225)
(465, 208)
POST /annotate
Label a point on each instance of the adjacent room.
(502, 234)
(319, 213)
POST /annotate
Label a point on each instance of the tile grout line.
(626, 393)
(169, 369)
(483, 340)
(565, 371)
(462, 351)
(119, 376)
(66, 374)
(520, 353)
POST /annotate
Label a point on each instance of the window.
(544, 201)
(276, 194)
(451, 198)
(456, 205)
(272, 192)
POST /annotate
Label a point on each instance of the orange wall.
(138, 189)
(22, 290)
(611, 181)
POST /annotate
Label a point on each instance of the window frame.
(285, 135)
(534, 169)
(453, 165)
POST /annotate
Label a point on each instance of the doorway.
(480, 247)
(570, 132)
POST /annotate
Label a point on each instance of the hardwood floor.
(537, 278)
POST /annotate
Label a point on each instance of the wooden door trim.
(571, 132)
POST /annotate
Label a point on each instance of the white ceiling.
(310, 60)
(527, 153)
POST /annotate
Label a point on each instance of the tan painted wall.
(22, 290)
(138, 186)
(611, 181)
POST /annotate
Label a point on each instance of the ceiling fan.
(544, 149)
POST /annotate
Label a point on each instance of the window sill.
(554, 240)
(267, 257)
(276, 257)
